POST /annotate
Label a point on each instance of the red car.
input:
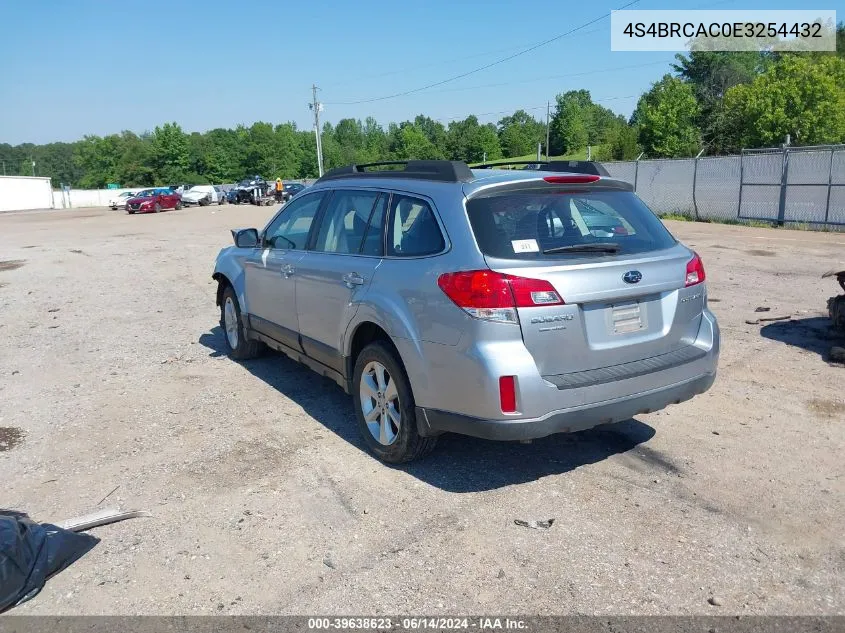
(153, 201)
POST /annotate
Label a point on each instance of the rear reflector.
(486, 294)
(572, 179)
(507, 394)
(695, 271)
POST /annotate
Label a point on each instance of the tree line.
(716, 101)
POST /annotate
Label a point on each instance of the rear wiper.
(599, 247)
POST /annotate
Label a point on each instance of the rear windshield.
(594, 223)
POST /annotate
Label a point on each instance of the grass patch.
(678, 217)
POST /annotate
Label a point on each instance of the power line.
(463, 58)
(551, 77)
(526, 108)
(485, 67)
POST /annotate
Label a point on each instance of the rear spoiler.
(560, 166)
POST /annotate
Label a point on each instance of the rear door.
(619, 272)
(335, 274)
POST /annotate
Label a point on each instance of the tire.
(130, 212)
(237, 345)
(203, 202)
(178, 205)
(388, 441)
(158, 208)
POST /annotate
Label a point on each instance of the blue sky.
(85, 67)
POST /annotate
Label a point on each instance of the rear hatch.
(619, 276)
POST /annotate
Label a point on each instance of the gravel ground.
(113, 378)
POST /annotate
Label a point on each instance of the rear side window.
(413, 228)
(345, 221)
(565, 224)
(374, 238)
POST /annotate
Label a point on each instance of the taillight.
(486, 294)
(571, 179)
(507, 394)
(695, 270)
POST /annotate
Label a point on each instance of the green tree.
(222, 159)
(570, 125)
(667, 117)
(620, 144)
(375, 140)
(170, 156)
(712, 74)
(520, 133)
(798, 95)
(98, 158)
(409, 141)
(133, 166)
(434, 131)
(351, 142)
(470, 141)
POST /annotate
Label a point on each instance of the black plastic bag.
(30, 553)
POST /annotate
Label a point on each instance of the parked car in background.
(501, 304)
(290, 189)
(180, 189)
(202, 195)
(154, 200)
(221, 194)
(119, 201)
(253, 190)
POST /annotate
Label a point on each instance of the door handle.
(353, 279)
(288, 270)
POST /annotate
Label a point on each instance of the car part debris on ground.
(101, 517)
(535, 525)
(30, 552)
(767, 319)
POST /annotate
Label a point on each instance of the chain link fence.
(781, 185)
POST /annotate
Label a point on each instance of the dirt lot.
(112, 369)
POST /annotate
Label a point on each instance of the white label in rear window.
(525, 246)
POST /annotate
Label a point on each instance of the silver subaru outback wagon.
(496, 303)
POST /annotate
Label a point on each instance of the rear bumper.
(433, 422)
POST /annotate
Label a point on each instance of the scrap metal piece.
(839, 274)
(535, 525)
(102, 517)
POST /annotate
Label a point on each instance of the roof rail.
(566, 166)
(438, 170)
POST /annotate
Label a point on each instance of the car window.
(413, 228)
(345, 221)
(290, 228)
(554, 225)
(374, 237)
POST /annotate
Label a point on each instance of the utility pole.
(316, 106)
(548, 109)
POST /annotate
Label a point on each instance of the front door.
(271, 271)
(336, 273)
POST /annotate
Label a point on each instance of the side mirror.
(245, 238)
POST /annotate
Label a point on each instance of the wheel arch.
(234, 277)
(365, 330)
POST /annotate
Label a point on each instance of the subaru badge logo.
(632, 277)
